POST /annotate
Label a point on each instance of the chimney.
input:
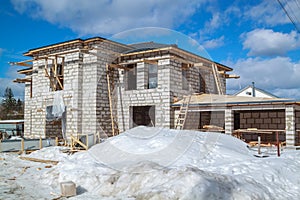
(253, 90)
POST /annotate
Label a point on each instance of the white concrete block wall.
(103, 119)
(169, 86)
(82, 73)
(158, 97)
(42, 96)
(290, 126)
(86, 94)
(27, 110)
(229, 121)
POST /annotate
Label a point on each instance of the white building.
(252, 91)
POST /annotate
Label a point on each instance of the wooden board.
(39, 160)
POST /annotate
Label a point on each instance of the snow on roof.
(14, 121)
(214, 99)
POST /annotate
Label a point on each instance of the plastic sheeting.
(58, 111)
(58, 104)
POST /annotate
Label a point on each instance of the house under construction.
(101, 86)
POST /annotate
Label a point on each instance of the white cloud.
(279, 75)
(109, 17)
(17, 88)
(266, 42)
(268, 12)
(214, 23)
(214, 43)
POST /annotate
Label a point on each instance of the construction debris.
(68, 189)
(39, 160)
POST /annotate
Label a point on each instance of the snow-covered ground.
(155, 163)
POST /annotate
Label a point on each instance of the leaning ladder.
(183, 112)
(217, 79)
(110, 86)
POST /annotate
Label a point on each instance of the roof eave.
(70, 42)
(178, 50)
(288, 101)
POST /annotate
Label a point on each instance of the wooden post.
(110, 101)
(56, 141)
(277, 141)
(72, 142)
(258, 142)
(22, 145)
(41, 143)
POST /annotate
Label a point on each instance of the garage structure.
(246, 116)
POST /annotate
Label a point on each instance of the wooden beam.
(153, 62)
(197, 57)
(57, 54)
(55, 66)
(185, 66)
(116, 66)
(198, 64)
(24, 63)
(53, 46)
(75, 140)
(46, 68)
(22, 80)
(25, 71)
(39, 160)
(48, 75)
(232, 76)
(110, 101)
(178, 59)
(54, 69)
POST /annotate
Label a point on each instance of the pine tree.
(8, 103)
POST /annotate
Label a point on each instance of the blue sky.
(255, 38)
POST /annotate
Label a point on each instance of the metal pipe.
(253, 89)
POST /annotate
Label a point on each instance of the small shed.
(12, 127)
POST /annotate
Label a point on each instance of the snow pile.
(167, 148)
(157, 163)
(53, 153)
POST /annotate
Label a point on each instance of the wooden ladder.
(217, 79)
(112, 106)
(183, 112)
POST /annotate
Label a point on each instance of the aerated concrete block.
(68, 189)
